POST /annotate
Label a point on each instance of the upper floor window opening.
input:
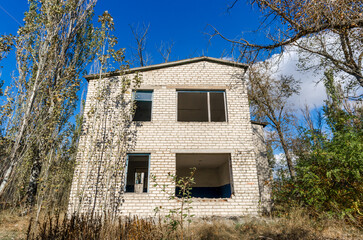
(143, 104)
(201, 106)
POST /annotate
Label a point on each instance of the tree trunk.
(28, 109)
(12, 158)
(287, 154)
(33, 182)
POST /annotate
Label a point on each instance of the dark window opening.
(201, 106)
(137, 176)
(192, 106)
(143, 105)
(212, 176)
(217, 107)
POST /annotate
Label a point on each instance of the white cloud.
(280, 160)
(228, 58)
(312, 91)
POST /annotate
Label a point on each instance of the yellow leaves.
(99, 98)
(357, 208)
(91, 112)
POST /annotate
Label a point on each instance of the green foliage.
(330, 164)
(6, 44)
(177, 216)
(53, 48)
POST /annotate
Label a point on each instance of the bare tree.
(140, 35)
(268, 96)
(165, 50)
(331, 30)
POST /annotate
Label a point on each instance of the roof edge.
(169, 64)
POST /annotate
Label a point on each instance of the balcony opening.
(212, 176)
(137, 175)
(201, 106)
(143, 104)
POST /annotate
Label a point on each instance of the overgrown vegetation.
(322, 175)
(39, 140)
(327, 149)
(329, 161)
(295, 225)
(107, 131)
(179, 216)
(321, 168)
(52, 49)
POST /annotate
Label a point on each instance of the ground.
(12, 225)
(295, 226)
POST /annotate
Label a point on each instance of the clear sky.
(182, 22)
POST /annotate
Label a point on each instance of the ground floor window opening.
(137, 173)
(213, 175)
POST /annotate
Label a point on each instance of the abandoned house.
(189, 113)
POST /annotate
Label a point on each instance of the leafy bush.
(329, 163)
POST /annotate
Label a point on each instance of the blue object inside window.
(142, 95)
(143, 104)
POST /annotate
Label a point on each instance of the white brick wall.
(163, 137)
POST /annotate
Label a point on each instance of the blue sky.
(182, 22)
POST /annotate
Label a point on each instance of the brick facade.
(164, 137)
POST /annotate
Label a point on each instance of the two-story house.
(189, 113)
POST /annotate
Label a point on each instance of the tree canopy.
(331, 30)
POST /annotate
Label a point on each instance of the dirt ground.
(12, 225)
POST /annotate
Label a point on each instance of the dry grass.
(297, 225)
(12, 225)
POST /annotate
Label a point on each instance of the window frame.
(208, 103)
(133, 98)
(126, 171)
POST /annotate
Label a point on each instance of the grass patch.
(295, 225)
(12, 225)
